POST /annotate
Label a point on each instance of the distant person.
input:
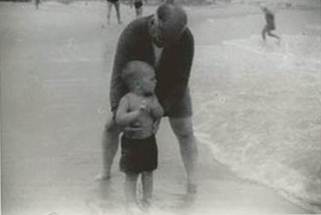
(139, 114)
(138, 5)
(116, 4)
(37, 3)
(270, 24)
(164, 41)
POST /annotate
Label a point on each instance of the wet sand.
(54, 96)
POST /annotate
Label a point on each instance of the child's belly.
(139, 130)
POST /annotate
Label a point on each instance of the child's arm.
(123, 117)
(157, 113)
(156, 110)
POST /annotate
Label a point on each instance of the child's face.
(148, 82)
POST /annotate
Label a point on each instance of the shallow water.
(259, 111)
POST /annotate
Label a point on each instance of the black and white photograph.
(160, 107)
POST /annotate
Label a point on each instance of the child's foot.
(145, 205)
(191, 188)
(102, 177)
(133, 209)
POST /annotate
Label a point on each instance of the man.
(270, 24)
(164, 41)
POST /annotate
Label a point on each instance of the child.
(270, 25)
(139, 114)
(117, 8)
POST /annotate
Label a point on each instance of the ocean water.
(259, 110)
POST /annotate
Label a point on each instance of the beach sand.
(54, 101)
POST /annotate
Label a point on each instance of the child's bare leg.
(147, 181)
(130, 188)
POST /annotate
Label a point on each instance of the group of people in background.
(137, 4)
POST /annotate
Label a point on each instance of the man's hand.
(156, 126)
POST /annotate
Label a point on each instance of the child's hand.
(143, 106)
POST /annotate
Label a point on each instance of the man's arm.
(122, 56)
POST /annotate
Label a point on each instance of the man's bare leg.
(110, 144)
(263, 33)
(184, 131)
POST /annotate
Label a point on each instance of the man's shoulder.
(137, 26)
(187, 36)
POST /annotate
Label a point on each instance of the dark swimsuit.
(138, 155)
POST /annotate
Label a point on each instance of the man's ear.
(152, 21)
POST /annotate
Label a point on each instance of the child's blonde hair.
(134, 71)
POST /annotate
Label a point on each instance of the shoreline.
(55, 86)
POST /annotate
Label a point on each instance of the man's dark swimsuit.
(172, 72)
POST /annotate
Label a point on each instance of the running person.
(270, 24)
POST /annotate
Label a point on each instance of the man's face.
(163, 34)
(156, 31)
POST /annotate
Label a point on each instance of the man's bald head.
(168, 24)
